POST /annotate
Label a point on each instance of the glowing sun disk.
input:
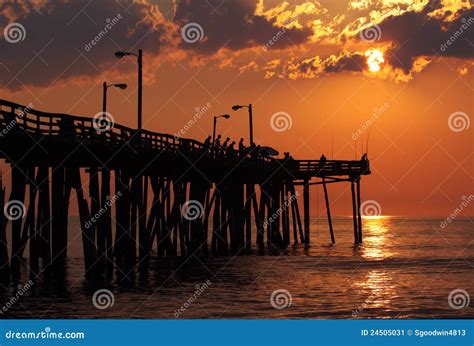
(374, 59)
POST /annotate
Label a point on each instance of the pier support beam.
(359, 216)
(17, 197)
(328, 211)
(4, 261)
(306, 211)
(354, 213)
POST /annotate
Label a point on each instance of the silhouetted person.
(218, 141)
(322, 160)
(224, 145)
(231, 150)
(207, 142)
(241, 145)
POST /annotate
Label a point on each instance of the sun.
(374, 59)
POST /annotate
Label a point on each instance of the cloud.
(234, 25)
(310, 68)
(68, 39)
(419, 34)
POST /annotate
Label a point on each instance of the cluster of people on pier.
(228, 148)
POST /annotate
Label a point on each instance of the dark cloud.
(310, 68)
(233, 25)
(416, 34)
(58, 42)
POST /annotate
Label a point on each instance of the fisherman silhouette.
(322, 160)
(241, 145)
(218, 141)
(224, 145)
(230, 149)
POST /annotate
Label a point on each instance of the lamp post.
(249, 107)
(225, 116)
(121, 54)
(104, 98)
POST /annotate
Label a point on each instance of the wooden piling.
(354, 213)
(328, 211)
(17, 197)
(359, 216)
(306, 212)
(4, 260)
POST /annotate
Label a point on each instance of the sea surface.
(406, 268)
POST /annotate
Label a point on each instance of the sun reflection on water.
(376, 237)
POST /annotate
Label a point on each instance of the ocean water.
(406, 268)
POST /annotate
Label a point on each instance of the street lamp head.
(122, 86)
(226, 116)
(121, 54)
(236, 107)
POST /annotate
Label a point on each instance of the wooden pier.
(201, 200)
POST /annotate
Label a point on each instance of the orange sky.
(420, 167)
